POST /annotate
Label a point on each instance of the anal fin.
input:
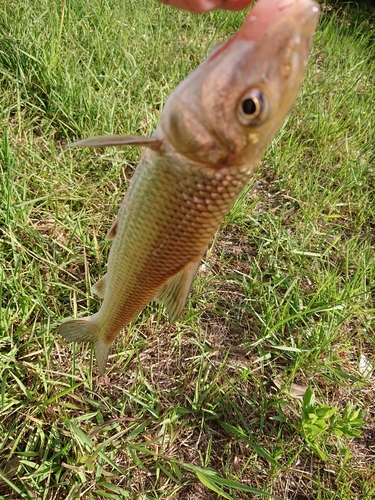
(173, 293)
(99, 287)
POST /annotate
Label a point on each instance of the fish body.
(213, 131)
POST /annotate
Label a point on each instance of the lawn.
(265, 385)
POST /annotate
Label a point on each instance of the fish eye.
(252, 109)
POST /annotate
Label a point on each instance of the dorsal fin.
(173, 293)
(97, 141)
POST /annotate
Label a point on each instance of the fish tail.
(84, 330)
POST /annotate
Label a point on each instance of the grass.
(216, 404)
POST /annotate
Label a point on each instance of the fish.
(213, 130)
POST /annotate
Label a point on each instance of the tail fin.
(83, 330)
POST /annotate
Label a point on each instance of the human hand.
(207, 5)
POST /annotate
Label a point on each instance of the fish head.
(229, 109)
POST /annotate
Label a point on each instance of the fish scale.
(183, 221)
(213, 131)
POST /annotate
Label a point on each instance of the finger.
(196, 6)
(234, 4)
(199, 6)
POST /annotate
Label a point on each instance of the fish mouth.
(267, 16)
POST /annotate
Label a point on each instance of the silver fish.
(212, 134)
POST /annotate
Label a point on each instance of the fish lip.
(266, 15)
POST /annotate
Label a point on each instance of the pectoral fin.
(173, 293)
(97, 141)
